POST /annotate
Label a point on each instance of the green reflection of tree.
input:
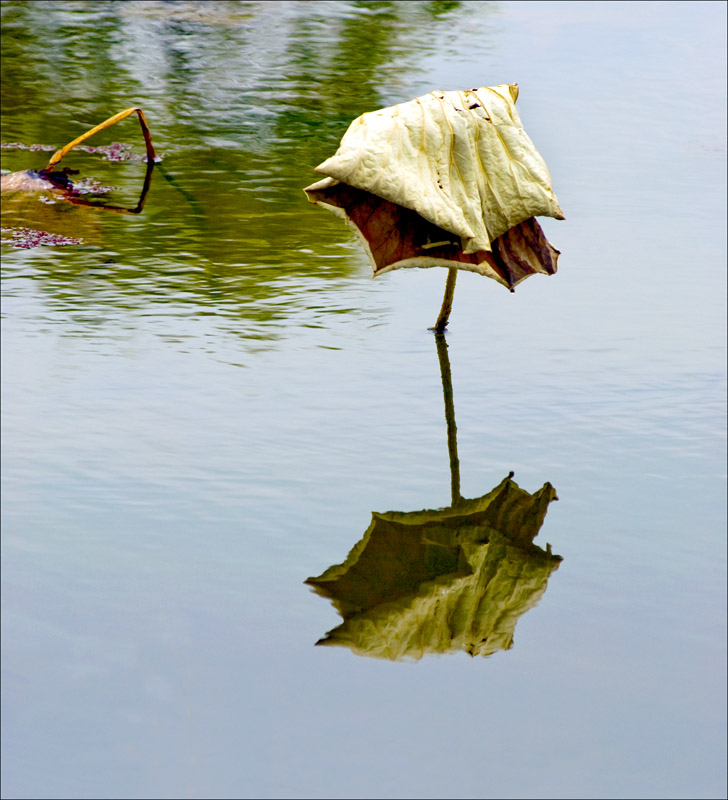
(243, 100)
(439, 7)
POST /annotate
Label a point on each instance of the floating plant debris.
(27, 238)
(21, 146)
(90, 186)
(116, 151)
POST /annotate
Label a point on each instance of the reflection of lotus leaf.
(442, 581)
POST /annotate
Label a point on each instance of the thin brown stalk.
(441, 323)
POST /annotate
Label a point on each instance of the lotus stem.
(441, 323)
(58, 155)
(452, 431)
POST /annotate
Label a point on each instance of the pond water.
(203, 404)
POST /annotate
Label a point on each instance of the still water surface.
(204, 403)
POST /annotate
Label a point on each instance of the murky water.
(204, 403)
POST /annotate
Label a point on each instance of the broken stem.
(58, 155)
(441, 323)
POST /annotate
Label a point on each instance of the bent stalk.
(58, 155)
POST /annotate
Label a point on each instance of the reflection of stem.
(187, 196)
(80, 201)
(441, 323)
(452, 431)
